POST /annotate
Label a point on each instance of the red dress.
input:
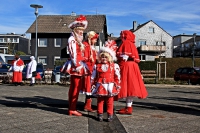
(132, 83)
(17, 67)
(90, 57)
(106, 78)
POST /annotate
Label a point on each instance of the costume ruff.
(106, 78)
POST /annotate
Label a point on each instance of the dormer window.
(151, 30)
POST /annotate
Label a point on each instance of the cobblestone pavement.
(43, 109)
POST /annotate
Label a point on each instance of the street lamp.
(36, 14)
(193, 46)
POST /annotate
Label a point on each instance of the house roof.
(59, 23)
(141, 25)
(191, 40)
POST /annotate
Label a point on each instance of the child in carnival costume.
(106, 79)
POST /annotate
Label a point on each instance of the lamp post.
(193, 46)
(36, 14)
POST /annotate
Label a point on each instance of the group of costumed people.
(110, 74)
(17, 68)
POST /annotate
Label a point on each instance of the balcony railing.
(152, 48)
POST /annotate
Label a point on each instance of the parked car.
(190, 74)
(4, 67)
(40, 69)
(5, 75)
(57, 75)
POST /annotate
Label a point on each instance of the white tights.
(129, 101)
(33, 80)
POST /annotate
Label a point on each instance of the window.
(42, 59)
(56, 58)
(15, 40)
(160, 43)
(1, 40)
(42, 42)
(151, 30)
(57, 42)
(9, 40)
(5, 39)
(142, 57)
(185, 70)
(142, 42)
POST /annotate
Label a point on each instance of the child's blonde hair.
(110, 59)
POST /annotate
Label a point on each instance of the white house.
(152, 41)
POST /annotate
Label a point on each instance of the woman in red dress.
(132, 84)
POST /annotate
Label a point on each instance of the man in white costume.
(31, 67)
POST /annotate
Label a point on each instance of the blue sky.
(175, 17)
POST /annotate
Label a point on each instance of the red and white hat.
(110, 47)
(80, 22)
(92, 35)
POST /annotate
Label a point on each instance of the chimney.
(135, 25)
(73, 14)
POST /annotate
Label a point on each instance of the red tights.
(100, 104)
(75, 86)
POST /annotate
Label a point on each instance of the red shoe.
(126, 111)
(122, 109)
(76, 113)
(88, 106)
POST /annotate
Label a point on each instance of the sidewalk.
(43, 109)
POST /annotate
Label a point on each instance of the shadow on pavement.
(39, 102)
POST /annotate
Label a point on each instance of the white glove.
(79, 68)
(125, 57)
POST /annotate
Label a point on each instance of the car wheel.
(193, 83)
(176, 79)
(198, 82)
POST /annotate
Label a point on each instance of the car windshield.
(58, 68)
(197, 69)
(39, 66)
(5, 66)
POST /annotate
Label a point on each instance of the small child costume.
(106, 80)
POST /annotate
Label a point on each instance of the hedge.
(171, 65)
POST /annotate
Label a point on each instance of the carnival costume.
(106, 80)
(132, 84)
(90, 57)
(17, 67)
(75, 66)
